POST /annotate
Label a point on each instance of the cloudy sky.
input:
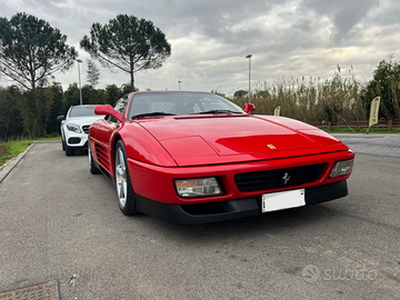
(210, 38)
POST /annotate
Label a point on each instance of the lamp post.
(79, 74)
(249, 57)
(179, 83)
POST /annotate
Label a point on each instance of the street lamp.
(79, 74)
(179, 83)
(249, 57)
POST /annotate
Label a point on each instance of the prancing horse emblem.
(285, 178)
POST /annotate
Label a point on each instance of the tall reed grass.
(310, 99)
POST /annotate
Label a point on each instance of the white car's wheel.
(69, 151)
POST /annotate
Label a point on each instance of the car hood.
(84, 120)
(200, 140)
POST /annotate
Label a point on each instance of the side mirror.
(60, 118)
(109, 111)
(249, 107)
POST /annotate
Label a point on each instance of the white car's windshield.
(179, 103)
(81, 111)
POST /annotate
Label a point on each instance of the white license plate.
(282, 200)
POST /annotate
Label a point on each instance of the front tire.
(125, 195)
(93, 169)
(69, 151)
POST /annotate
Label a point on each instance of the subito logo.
(311, 273)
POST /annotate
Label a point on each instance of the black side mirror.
(60, 118)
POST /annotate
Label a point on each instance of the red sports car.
(195, 157)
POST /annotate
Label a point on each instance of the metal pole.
(249, 57)
(249, 77)
(179, 82)
(79, 74)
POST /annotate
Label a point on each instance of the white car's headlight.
(342, 168)
(73, 127)
(198, 187)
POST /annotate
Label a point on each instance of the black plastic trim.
(232, 209)
(74, 140)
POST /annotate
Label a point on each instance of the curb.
(9, 168)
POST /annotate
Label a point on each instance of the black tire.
(92, 165)
(63, 145)
(130, 207)
(69, 151)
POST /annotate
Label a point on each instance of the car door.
(102, 135)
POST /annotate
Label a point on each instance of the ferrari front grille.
(280, 178)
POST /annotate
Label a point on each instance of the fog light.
(342, 168)
(198, 187)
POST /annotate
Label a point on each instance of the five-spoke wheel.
(125, 195)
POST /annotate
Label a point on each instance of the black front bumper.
(232, 209)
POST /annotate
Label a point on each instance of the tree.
(385, 83)
(113, 93)
(10, 117)
(71, 96)
(31, 50)
(239, 94)
(128, 44)
(126, 88)
(93, 74)
(56, 108)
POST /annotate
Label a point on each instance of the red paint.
(161, 149)
(108, 110)
(249, 107)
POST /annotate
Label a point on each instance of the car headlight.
(73, 127)
(342, 168)
(198, 187)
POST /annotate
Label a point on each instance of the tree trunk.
(132, 76)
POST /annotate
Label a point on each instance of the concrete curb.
(10, 167)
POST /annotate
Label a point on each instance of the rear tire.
(125, 194)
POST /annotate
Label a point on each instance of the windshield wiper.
(219, 111)
(152, 114)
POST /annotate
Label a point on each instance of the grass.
(11, 149)
(362, 130)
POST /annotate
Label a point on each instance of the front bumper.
(233, 209)
(76, 140)
(157, 183)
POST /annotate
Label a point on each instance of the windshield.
(179, 103)
(82, 111)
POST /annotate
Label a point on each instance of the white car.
(75, 127)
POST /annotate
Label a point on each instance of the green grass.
(11, 149)
(362, 130)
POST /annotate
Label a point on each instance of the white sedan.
(75, 127)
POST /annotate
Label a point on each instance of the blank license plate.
(282, 200)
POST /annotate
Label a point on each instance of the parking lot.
(60, 223)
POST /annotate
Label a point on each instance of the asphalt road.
(58, 221)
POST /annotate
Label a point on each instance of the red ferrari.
(195, 157)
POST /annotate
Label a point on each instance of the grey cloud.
(344, 13)
(288, 42)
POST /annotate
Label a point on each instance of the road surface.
(60, 223)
